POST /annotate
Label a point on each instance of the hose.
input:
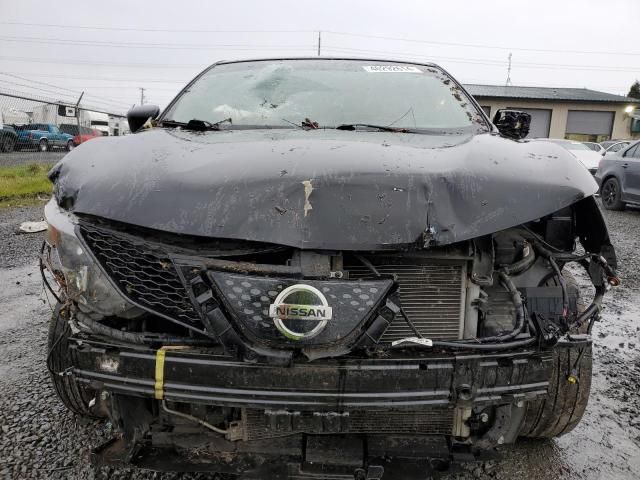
(563, 286)
(520, 316)
(594, 309)
(521, 265)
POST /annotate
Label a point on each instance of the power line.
(110, 64)
(149, 80)
(30, 98)
(489, 62)
(36, 88)
(165, 46)
(132, 87)
(334, 32)
(475, 45)
(74, 92)
(41, 83)
(137, 29)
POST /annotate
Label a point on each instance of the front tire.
(70, 145)
(74, 396)
(8, 144)
(566, 401)
(612, 195)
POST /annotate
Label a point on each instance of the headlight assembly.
(76, 272)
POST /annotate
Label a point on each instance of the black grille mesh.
(146, 275)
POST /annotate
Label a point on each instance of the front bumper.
(367, 415)
(198, 376)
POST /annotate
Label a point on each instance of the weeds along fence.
(36, 129)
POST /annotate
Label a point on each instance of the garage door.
(584, 122)
(540, 121)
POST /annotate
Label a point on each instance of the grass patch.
(24, 184)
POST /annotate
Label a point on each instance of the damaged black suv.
(322, 266)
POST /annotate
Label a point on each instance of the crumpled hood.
(320, 189)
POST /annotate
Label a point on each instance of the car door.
(56, 136)
(631, 166)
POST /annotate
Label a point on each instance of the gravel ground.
(28, 157)
(40, 439)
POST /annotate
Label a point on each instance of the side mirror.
(138, 116)
(512, 123)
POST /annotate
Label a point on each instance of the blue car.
(43, 136)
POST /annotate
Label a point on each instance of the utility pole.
(319, 41)
(509, 72)
(77, 112)
(142, 95)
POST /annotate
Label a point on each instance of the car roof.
(354, 59)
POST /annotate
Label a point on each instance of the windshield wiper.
(382, 128)
(306, 124)
(197, 125)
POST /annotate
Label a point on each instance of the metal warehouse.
(572, 113)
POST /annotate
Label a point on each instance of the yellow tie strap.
(159, 379)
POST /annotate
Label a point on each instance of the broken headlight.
(75, 271)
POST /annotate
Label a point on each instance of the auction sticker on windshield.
(392, 69)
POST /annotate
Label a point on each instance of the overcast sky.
(109, 49)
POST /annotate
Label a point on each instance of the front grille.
(261, 424)
(431, 293)
(144, 274)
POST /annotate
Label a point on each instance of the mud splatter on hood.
(320, 189)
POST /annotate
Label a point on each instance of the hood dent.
(321, 189)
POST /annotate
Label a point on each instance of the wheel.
(70, 145)
(43, 145)
(8, 143)
(73, 395)
(566, 401)
(612, 195)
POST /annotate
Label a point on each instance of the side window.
(53, 129)
(632, 152)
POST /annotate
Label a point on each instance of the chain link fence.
(35, 130)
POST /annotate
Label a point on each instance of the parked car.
(583, 153)
(80, 133)
(271, 277)
(43, 136)
(619, 178)
(607, 143)
(596, 147)
(8, 138)
(616, 147)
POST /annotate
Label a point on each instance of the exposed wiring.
(45, 281)
(193, 419)
(563, 286)
(367, 263)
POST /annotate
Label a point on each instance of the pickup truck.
(43, 136)
(7, 138)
